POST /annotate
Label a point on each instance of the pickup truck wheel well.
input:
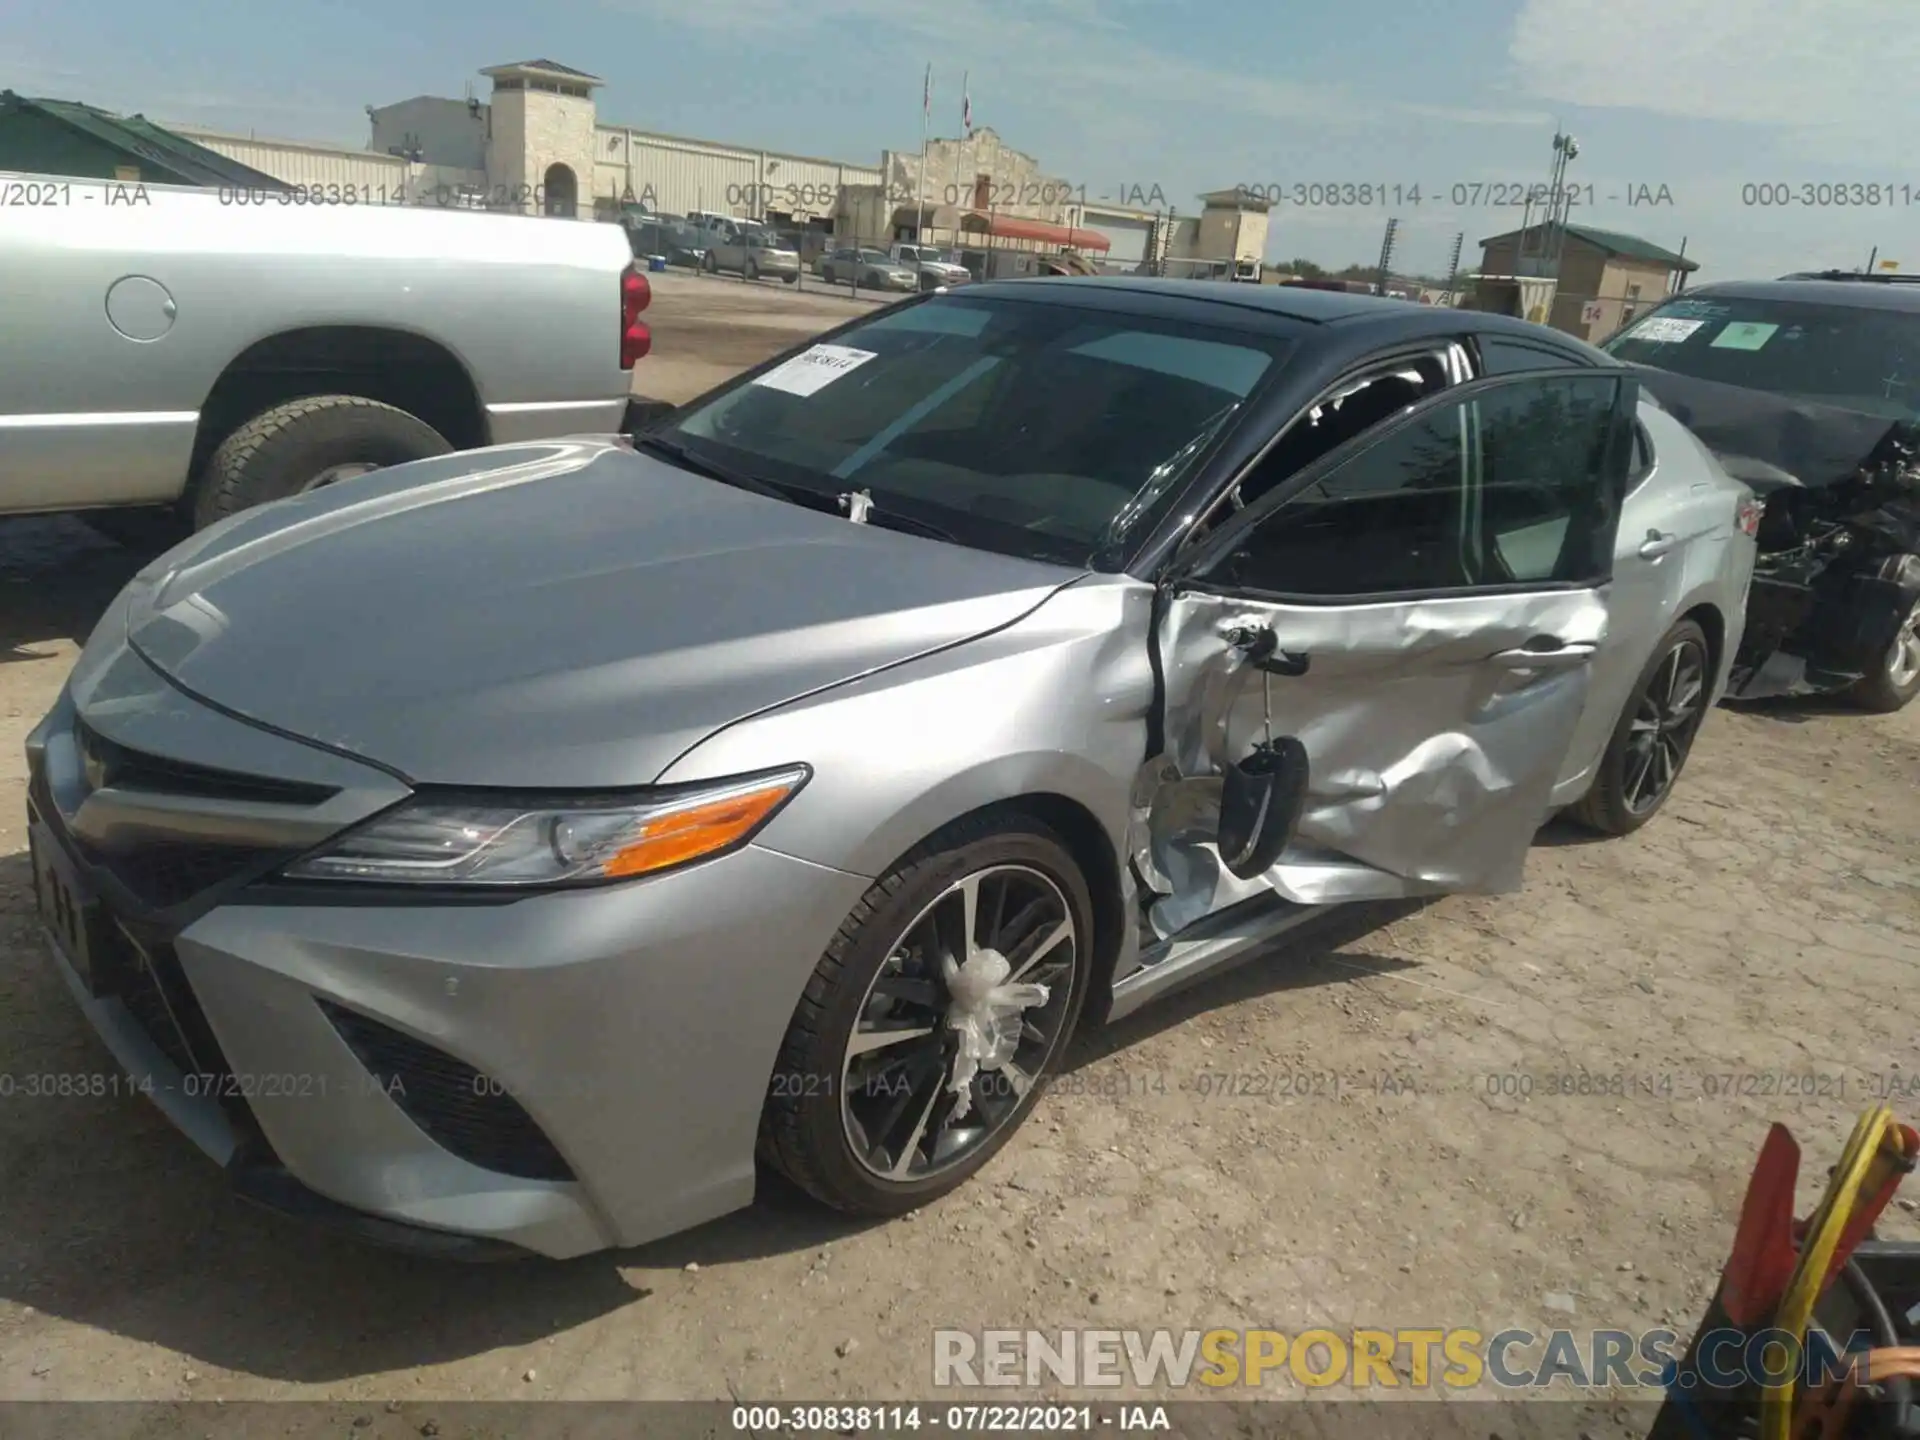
(395, 367)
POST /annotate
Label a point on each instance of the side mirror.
(1260, 806)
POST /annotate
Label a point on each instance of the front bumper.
(575, 1069)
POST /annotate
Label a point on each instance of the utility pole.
(1386, 253)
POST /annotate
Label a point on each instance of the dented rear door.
(1440, 587)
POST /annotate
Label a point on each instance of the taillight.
(1750, 512)
(635, 295)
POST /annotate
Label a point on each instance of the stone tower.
(540, 154)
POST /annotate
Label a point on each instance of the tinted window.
(1501, 356)
(1546, 503)
(1833, 354)
(1412, 511)
(1060, 429)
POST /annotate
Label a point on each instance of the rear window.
(1859, 358)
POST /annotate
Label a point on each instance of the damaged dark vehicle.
(1808, 390)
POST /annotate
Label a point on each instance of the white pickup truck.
(937, 266)
(171, 354)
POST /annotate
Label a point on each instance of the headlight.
(495, 840)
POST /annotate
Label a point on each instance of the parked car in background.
(1809, 389)
(670, 237)
(166, 363)
(788, 786)
(753, 251)
(869, 269)
(935, 265)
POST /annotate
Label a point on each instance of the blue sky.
(1701, 97)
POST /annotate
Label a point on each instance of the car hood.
(1820, 445)
(563, 614)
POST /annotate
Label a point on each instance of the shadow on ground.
(56, 576)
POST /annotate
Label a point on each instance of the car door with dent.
(1419, 611)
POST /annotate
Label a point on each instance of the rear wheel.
(1655, 735)
(307, 444)
(1897, 681)
(873, 1107)
(752, 271)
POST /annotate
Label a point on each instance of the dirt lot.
(1760, 934)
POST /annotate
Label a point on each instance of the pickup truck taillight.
(635, 295)
(1750, 512)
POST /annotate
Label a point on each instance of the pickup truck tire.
(283, 451)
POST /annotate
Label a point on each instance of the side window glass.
(1546, 507)
(1641, 464)
(1343, 416)
(1394, 517)
(1501, 356)
(1425, 509)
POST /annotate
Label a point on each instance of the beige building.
(535, 143)
(1604, 280)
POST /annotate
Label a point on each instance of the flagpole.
(926, 116)
(966, 126)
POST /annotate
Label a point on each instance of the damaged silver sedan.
(514, 849)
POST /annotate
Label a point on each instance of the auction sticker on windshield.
(1743, 335)
(815, 368)
(1664, 329)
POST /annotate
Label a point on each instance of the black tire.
(711, 265)
(144, 529)
(750, 271)
(280, 452)
(790, 279)
(1617, 805)
(1886, 691)
(802, 1132)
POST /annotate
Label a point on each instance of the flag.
(926, 96)
(966, 106)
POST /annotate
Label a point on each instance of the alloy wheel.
(1667, 718)
(1903, 660)
(994, 953)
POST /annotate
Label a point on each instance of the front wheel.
(1897, 681)
(790, 279)
(1655, 735)
(752, 271)
(941, 1005)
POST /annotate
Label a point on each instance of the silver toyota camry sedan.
(516, 850)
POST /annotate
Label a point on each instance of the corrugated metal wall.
(666, 172)
(370, 176)
(677, 174)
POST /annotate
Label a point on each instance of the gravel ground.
(1361, 1128)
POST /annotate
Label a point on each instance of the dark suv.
(1808, 388)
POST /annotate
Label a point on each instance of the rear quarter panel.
(1690, 497)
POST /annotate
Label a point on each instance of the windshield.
(1858, 358)
(876, 257)
(1032, 428)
